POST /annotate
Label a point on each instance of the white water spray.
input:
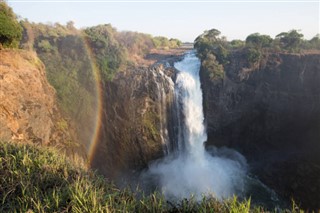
(194, 171)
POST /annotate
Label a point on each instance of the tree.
(174, 43)
(237, 44)
(258, 41)
(161, 42)
(290, 40)
(109, 54)
(10, 30)
(211, 42)
(315, 42)
(209, 36)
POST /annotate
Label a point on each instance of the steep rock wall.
(271, 113)
(136, 114)
(28, 110)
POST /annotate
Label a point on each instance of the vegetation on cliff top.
(112, 51)
(37, 179)
(215, 50)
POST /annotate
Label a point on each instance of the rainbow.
(97, 124)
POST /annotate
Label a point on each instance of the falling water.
(190, 170)
(189, 100)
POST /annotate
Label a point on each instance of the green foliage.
(45, 46)
(313, 43)
(215, 51)
(161, 42)
(235, 206)
(10, 30)
(290, 40)
(214, 69)
(62, 125)
(68, 70)
(174, 43)
(35, 179)
(258, 41)
(150, 121)
(210, 43)
(236, 44)
(107, 51)
(253, 55)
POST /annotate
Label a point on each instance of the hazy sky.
(183, 20)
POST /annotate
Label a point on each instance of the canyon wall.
(270, 112)
(136, 114)
(28, 108)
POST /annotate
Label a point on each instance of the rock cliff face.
(136, 115)
(271, 113)
(28, 110)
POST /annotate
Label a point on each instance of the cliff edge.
(270, 112)
(28, 111)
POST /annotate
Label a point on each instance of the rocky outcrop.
(270, 112)
(136, 114)
(28, 110)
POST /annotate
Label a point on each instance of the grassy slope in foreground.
(41, 180)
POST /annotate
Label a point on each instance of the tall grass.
(34, 179)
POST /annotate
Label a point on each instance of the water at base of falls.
(190, 170)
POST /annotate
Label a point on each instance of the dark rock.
(135, 119)
(269, 111)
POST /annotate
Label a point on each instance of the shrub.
(213, 68)
(253, 55)
(10, 30)
(45, 46)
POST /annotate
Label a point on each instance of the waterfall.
(189, 103)
(190, 170)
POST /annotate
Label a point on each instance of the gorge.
(232, 116)
(207, 120)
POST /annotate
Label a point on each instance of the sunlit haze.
(183, 20)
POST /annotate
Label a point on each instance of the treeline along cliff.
(262, 97)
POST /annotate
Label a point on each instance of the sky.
(185, 20)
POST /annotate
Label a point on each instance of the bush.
(45, 46)
(214, 70)
(290, 40)
(10, 30)
(106, 49)
(253, 55)
(258, 41)
(210, 42)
